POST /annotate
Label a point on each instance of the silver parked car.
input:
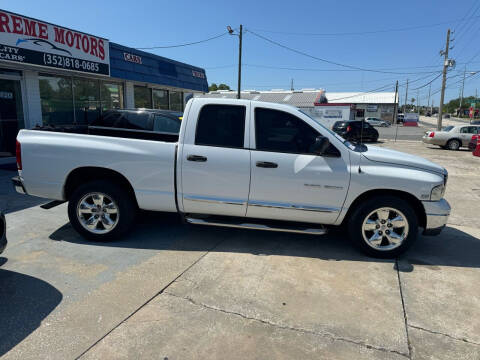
(452, 137)
(377, 122)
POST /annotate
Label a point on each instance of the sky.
(355, 34)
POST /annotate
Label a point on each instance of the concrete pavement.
(171, 291)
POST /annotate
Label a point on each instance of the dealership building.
(52, 75)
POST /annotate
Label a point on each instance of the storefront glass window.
(143, 97)
(176, 100)
(87, 100)
(56, 100)
(160, 99)
(111, 95)
(11, 115)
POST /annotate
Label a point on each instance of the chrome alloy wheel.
(385, 229)
(98, 213)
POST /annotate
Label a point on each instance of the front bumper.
(437, 216)
(18, 185)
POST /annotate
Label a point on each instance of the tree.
(223, 87)
(412, 100)
(214, 87)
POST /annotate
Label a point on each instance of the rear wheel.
(383, 226)
(453, 144)
(101, 210)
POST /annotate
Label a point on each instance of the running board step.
(300, 229)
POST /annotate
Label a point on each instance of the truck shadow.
(24, 302)
(164, 231)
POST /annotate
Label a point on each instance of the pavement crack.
(285, 327)
(404, 310)
(150, 300)
(443, 334)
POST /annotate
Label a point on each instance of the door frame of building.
(11, 159)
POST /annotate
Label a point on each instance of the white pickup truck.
(238, 163)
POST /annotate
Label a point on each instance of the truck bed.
(50, 155)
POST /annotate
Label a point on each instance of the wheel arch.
(85, 174)
(411, 199)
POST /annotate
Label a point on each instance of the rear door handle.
(197, 158)
(267, 164)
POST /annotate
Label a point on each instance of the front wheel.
(383, 226)
(101, 210)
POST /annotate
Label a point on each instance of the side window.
(166, 124)
(221, 125)
(139, 121)
(279, 131)
(107, 119)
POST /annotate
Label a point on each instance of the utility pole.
(291, 84)
(463, 86)
(395, 110)
(406, 99)
(444, 81)
(239, 61)
(418, 102)
(429, 91)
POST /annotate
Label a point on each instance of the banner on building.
(34, 42)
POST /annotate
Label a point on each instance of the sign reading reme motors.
(29, 41)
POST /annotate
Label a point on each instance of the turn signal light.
(432, 134)
(349, 128)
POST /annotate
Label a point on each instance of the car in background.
(474, 122)
(474, 141)
(355, 130)
(400, 118)
(452, 137)
(3, 232)
(164, 121)
(377, 122)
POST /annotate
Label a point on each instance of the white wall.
(33, 113)
(129, 95)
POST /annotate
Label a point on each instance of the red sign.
(471, 112)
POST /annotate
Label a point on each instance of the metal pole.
(463, 86)
(395, 110)
(429, 90)
(239, 61)
(406, 99)
(444, 81)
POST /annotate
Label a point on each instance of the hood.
(375, 153)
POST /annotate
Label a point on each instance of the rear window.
(447, 128)
(139, 121)
(339, 124)
(221, 125)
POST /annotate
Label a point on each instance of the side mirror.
(321, 145)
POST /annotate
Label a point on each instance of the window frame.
(245, 127)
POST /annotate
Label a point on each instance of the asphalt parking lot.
(170, 291)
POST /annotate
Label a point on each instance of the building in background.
(52, 75)
(338, 105)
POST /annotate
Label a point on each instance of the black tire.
(124, 204)
(361, 213)
(453, 144)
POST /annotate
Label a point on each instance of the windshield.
(447, 128)
(348, 144)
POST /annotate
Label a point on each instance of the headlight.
(437, 192)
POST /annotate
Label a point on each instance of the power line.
(185, 44)
(428, 83)
(364, 32)
(324, 60)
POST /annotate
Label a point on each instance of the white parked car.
(377, 122)
(238, 163)
(452, 137)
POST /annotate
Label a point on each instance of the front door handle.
(267, 164)
(197, 158)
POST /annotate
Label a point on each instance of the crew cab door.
(215, 159)
(290, 182)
